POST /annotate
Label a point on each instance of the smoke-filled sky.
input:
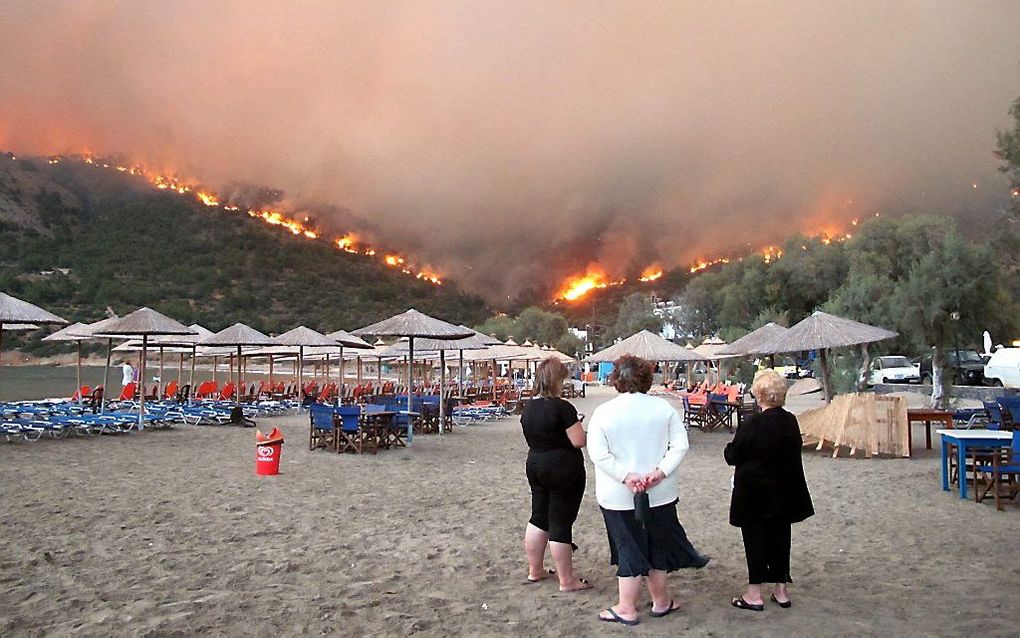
(517, 141)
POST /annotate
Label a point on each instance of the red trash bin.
(268, 449)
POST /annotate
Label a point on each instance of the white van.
(1003, 369)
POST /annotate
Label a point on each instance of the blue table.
(964, 440)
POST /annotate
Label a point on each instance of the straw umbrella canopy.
(16, 311)
(646, 345)
(413, 324)
(239, 336)
(822, 331)
(303, 336)
(752, 342)
(68, 334)
(144, 323)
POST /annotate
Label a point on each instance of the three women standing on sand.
(636, 442)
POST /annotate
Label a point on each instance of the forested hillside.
(124, 246)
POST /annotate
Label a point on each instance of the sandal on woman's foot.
(740, 603)
(785, 605)
(532, 581)
(615, 617)
(667, 611)
(583, 586)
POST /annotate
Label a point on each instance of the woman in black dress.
(769, 491)
(555, 471)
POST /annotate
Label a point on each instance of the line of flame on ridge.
(578, 286)
(347, 243)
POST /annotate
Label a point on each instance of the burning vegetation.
(297, 225)
(595, 277)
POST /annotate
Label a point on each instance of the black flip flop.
(585, 586)
(740, 603)
(532, 581)
(785, 605)
(669, 610)
(618, 618)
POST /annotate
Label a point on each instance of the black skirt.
(660, 543)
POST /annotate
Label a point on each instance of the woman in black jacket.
(769, 490)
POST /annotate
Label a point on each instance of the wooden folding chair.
(322, 431)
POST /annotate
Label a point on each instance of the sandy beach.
(172, 533)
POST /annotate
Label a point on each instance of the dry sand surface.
(171, 533)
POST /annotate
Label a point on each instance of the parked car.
(969, 369)
(1003, 369)
(893, 369)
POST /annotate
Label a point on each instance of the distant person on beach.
(555, 470)
(769, 491)
(636, 443)
(127, 373)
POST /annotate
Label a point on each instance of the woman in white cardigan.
(636, 443)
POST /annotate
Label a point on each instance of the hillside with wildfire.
(81, 233)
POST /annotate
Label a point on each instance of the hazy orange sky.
(507, 136)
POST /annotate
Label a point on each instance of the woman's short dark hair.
(632, 374)
(549, 377)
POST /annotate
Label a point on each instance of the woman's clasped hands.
(637, 483)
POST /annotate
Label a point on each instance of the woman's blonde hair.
(549, 377)
(769, 388)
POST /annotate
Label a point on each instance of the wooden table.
(964, 439)
(926, 416)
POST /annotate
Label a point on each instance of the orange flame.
(651, 273)
(578, 286)
(299, 228)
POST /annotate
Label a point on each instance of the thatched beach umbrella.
(16, 311)
(301, 337)
(822, 331)
(239, 336)
(752, 342)
(69, 334)
(413, 324)
(648, 346)
(144, 323)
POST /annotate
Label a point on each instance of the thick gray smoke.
(516, 142)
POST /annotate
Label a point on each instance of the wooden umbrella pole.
(460, 374)
(215, 367)
(342, 394)
(301, 373)
(378, 372)
(159, 386)
(442, 390)
(410, 384)
(78, 388)
(271, 359)
(358, 359)
(240, 381)
(106, 374)
(191, 376)
(825, 375)
(180, 368)
(141, 396)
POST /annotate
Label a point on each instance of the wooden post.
(823, 360)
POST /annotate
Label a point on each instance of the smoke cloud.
(515, 142)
